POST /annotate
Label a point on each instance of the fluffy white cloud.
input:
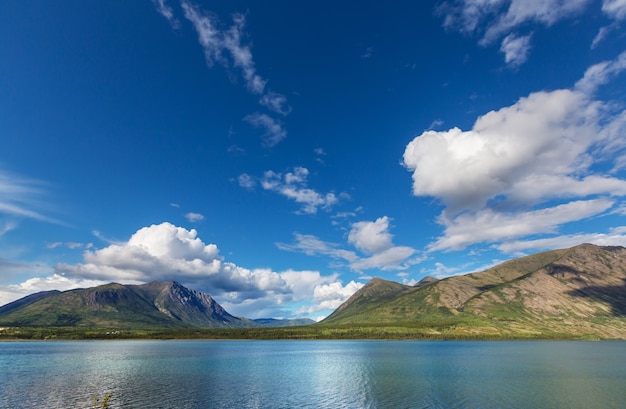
(526, 168)
(330, 296)
(167, 252)
(543, 141)
(274, 132)
(371, 237)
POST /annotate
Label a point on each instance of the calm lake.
(314, 374)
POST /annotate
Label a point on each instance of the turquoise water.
(314, 374)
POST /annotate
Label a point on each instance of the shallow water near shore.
(314, 374)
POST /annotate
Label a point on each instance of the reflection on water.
(314, 374)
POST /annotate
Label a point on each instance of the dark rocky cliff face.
(184, 304)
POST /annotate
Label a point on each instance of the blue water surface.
(314, 374)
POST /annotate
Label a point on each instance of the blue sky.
(278, 155)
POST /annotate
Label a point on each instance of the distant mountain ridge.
(577, 291)
(152, 305)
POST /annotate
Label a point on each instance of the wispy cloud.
(373, 241)
(70, 245)
(227, 47)
(515, 49)
(615, 9)
(194, 217)
(22, 197)
(294, 186)
(166, 11)
(274, 132)
(367, 54)
(494, 19)
(601, 73)
(275, 102)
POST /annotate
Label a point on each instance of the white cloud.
(21, 197)
(246, 181)
(331, 296)
(602, 33)
(274, 132)
(56, 281)
(488, 225)
(225, 46)
(546, 12)
(275, 102)
(615, 9)
(7, 227)
(515, 49)
(12, 293)
(194, 217)
(616, 237)
(313, 246)
(70, 245)
(293, 185)
(526, 168)
(166, 11)
(601, 73)
(167, 252)
(371, 238)
(442, 271)
(494, 19)
(547, 134)
(393, 258)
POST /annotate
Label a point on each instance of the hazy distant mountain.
(293, 322)
(576, 291)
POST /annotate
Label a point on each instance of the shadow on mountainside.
(615, 296)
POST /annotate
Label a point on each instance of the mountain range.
(575, 292)
(152, 305)
(579, 291)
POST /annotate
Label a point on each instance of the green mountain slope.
(579, 291)
(152, 305)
